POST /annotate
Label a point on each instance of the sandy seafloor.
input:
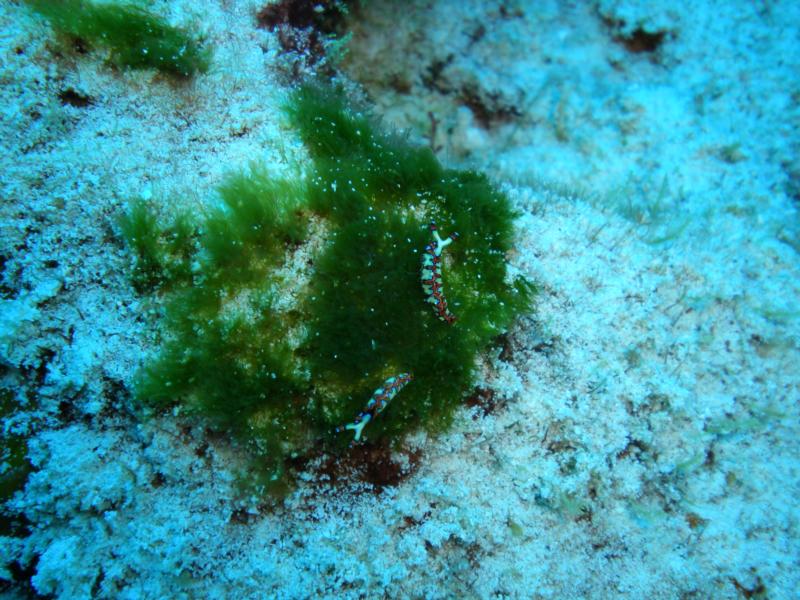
(645, 441)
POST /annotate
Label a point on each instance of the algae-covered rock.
(291, 305)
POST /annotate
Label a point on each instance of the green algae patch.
(163, 252)
(14, 466)
(304, 296)
(134, 37)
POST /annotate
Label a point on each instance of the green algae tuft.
(289, 306)
(134, 37)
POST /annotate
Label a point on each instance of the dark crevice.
(72, 98)
(639, 40)
(643, 41)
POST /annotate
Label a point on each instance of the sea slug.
(379, 400)
(432, 274)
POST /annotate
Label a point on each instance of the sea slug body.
(432, 274)
(379, 400)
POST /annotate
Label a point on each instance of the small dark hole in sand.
(643, 41)
(73, 98)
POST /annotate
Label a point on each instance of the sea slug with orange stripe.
(379, 400)
(432, 274)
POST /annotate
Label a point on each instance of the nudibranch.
(432, 274)
(379, 400)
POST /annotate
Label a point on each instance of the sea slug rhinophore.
(379, 400)
(432, 274)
